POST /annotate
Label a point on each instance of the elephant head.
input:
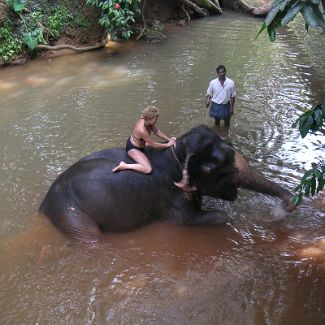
(216, 169)
(208, 162)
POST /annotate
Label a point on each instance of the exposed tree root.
(255, 11)
(73, 48)
(197, 6)
(144, 21)
(186, 13)
(216, 5)
(213, 3)
(200, 11)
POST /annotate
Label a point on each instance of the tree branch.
(217, 5)
(144, 22)
(209, 5)
(255, 11)
(186, 13)
(196, 8)
(73, 48)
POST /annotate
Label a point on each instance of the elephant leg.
(193, 215)
(79, 224)
(215, 217)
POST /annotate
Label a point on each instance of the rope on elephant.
(176, 158)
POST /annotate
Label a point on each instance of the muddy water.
(258, 270)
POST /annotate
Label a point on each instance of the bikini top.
(140, 139)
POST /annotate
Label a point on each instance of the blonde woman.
(140, 137)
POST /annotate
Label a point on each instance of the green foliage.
(311, 121)
(284, 11)
(40, 25)
(58, 21)
(33, 38)
(33, 32)
(10, 45)
(311, 183)
(313, 180)
(17, 5)
(156, 27)
(117, 16)
(281, 13)
(80, 21)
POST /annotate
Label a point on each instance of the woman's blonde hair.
(150, 112)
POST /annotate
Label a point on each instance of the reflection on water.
(258, 270)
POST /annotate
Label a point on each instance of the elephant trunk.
(248, 177)
(184, 184)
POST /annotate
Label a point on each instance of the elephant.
(88, 199)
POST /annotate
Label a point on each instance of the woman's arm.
(160, 134)
(145, 136)
(158, 145)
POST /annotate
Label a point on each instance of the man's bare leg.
(216, 122)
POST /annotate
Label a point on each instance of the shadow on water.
(256, 270)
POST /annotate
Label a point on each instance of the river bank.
(62, 26)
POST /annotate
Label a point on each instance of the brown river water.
(257, 270)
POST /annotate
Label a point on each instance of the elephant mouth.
(221, 189)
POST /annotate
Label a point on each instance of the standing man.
(221, 92)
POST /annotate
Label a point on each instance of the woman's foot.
(119, 167)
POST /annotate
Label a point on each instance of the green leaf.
(305, 123)
(308, 173)
(323, 108)
(318, 174)
(291, 13)
(319, 117)
(313, 186)
(261, 29)
(321, 183)
(271, 15)
(319, 16)
(271, 32)
(307, 189)
(19, 5)
(310, 15)
(30, 41)
(322, 96)
(296, 199)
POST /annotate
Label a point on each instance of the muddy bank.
(84, 33)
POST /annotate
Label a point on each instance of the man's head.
(221, 71)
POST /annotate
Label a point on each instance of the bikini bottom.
(130, 145)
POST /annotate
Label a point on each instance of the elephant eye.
(208, 168)
(218, 155)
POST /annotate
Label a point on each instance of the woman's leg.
(142, 164)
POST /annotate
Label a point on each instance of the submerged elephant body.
(88, 198)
